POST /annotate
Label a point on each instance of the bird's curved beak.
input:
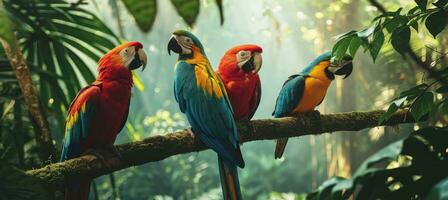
(344, 67)
(140, 60)
(173, 45)
(253, 64)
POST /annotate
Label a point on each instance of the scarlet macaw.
(238, 70)
(304, 91)
(202, 97)
(99, 111)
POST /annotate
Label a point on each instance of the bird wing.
(202, 97)
(289, 96)
(256, 97)
(81, 113)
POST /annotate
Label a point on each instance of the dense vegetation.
(407, 42)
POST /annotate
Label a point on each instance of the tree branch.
(433, 73)
(157, 148)
(29, 92)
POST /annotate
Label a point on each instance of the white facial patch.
(185, 43)
(242, 57)
(127, 55)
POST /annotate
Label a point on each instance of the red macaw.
(202, 97)
(99, 111)
(304, 91)
(238, 70)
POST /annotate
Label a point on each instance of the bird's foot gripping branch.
(159, 147)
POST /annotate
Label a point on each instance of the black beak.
(136, 63)
(140, 60)
(249, 65)
(345, 70)
(174, 46)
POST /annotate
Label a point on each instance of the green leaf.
(422, 105)
(440, 3)
(444, 106)
(413, 10)
(221, 11)
(6, 30)
(187, 9)
(344, 35)
(376, 44)
(439, 191)
(341, 47)
(367, 32)
(392, 24)
(388, 153)
(143, 11)
(400, 39)
(442, 89)
(390, 111)
(436, 22)
(413, 92)
(422, 4)
(414, 24)
(355, 43)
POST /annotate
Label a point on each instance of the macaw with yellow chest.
(201, 95)
(238, 70)
(99, 111)
(303, 92)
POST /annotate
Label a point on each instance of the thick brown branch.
(160, 147)
(31, 98)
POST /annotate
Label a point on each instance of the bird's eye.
(188, 40)
(242, 54)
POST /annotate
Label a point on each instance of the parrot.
(99, 111)
(303, 92)
(238, 70)
(202, 97)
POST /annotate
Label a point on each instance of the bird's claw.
(114, 150)
(249, 124)
(190, 132)
(98, 154)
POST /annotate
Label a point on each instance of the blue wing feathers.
(76, 134)
(290, 96)
(211, 118)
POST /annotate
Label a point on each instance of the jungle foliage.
(411, 167)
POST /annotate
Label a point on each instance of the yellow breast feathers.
(206, 78)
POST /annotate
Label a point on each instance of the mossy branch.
(157, 148)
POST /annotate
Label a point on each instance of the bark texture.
(30, 95)
(157, 148)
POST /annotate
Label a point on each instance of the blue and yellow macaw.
(304, 91)
(202, 97)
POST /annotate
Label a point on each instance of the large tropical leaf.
(421, 158)
(145, 11)
(6, 32)
(57, 38)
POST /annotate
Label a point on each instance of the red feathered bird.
(238, 70)
(99, 111)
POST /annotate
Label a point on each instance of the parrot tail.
(229, 180)
(78, 190)
(280, 147)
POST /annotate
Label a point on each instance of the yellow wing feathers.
(206, 78)
(72, 118)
